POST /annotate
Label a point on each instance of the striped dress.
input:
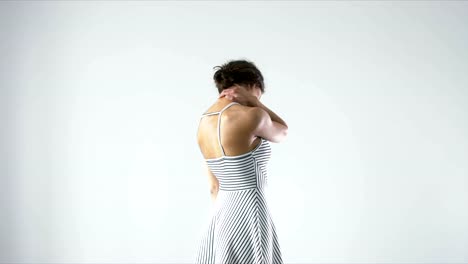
(240, 229)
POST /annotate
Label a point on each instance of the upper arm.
(266, 128)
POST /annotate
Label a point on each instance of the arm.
(213, 183)
(268, 124)
(274, 117)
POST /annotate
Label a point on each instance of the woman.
(233, 136)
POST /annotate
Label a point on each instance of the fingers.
(228, 96)
(225, 92)
(230, 93)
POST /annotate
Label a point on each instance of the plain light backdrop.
(100, 102)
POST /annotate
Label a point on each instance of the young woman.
(233, 136)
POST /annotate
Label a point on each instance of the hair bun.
(237, 72)
(227, 74)
(225, 77)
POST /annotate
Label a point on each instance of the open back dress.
(240, 229)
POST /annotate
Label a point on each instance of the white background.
(100, 103)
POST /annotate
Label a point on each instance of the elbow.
(282, 136)
(214, 190)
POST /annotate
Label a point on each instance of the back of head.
(240, 72)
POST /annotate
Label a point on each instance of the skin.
(241, 127)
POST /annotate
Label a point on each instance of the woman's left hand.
(239, 94)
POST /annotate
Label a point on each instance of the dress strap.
(219, 124)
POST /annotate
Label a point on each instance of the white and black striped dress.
(240, 229)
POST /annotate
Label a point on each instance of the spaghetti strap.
(219, 125)
(219, 122)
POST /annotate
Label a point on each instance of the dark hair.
(241, 72)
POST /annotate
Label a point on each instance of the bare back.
(226, 129)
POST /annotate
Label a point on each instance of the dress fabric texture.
(240, 229)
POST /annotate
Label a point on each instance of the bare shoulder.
(245, 115)
(249, 112)
(257, 114)
(247, 118)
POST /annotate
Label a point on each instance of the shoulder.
(241, 113)
(257, 114)
(247, 111)
(247, 116)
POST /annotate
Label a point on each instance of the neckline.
(241, 155)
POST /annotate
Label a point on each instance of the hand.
(239, 94)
